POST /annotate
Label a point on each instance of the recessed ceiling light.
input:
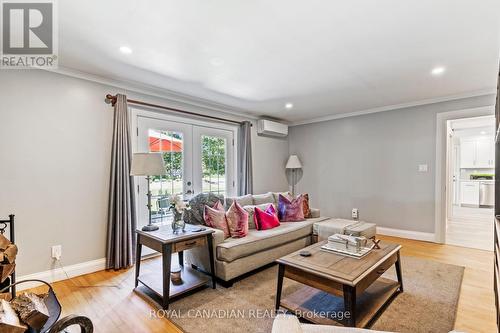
(483, 132)
(436, 71)
(288, 106)
(125, 49)
(217, 62)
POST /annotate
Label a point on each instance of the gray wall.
(269, 156)
(370, 162)
(55, 153)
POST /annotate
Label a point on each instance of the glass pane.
(213, 164)
(170, 145)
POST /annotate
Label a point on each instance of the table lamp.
(148, 164)
(293, 164)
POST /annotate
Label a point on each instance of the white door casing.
(192, 129)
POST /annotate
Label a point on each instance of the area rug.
(428, 303)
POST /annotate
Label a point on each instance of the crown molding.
(395, 107)
(208, 105)
(154, 91)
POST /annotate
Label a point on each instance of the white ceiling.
(325, 57)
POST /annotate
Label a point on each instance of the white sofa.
(237, 256)
(290, 324)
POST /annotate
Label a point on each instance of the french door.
(197, 159)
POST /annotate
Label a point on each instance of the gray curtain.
(245, 176)
(120, 247)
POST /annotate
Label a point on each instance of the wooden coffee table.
(339, 289)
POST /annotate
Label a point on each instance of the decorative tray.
(358, 255)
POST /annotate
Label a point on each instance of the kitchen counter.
(478, 180)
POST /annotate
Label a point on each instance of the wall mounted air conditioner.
(271, 128)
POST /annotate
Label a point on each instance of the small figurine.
(375, 243)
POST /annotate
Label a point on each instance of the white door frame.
(442, 167)
(450, 170)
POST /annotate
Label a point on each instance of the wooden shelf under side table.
(160, 289)
(335, 283)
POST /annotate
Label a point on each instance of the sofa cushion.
(324, 229)
(266, 198)
(256, 241)
(243, 200)
(315, 212)
(361, 228)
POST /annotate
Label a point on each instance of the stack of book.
(347, 245)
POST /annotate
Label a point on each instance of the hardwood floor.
(476, 306)
(113, 307)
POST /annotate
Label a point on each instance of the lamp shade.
(147, 164)
(293, 162)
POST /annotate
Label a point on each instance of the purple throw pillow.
(291, 210)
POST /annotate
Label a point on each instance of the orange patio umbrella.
(164, 143)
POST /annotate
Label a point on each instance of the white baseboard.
(57, 274)
(417, 235)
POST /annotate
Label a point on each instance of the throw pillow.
(237, 220)
(267, 219)
(215, 217)
(277, 194)
(197, 204)
(306, 209)
(250, 209)
(291, 210)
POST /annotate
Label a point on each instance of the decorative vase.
(175, 276)
(178, 224)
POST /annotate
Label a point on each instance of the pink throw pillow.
(266, 219)
(291, 210)
(215, 217)
(237, 220)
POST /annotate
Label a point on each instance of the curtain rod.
(110, 99)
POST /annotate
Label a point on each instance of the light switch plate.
(423, 168)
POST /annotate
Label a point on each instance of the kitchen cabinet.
(467, 153)
(477, 153)
(469, 192)
(484, 152)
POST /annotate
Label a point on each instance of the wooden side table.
(158, 287)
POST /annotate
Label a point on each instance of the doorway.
(470, 178)
(199, 157)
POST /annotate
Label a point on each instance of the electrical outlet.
(56, 252)
(355, 213)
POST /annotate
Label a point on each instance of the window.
(170, 145)
(213, 164)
